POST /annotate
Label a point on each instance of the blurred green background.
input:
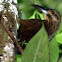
(29, 12)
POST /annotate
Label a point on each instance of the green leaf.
(59, 38)
(37, 13)
(41, 16)
(18, 58)
(33, 16)
(59, 35)
(60, 60)
(37, 49)
(54, 50)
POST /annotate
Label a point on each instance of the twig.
(11, 34)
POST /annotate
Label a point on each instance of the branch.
(11, 34)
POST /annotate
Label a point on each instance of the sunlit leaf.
(41, 16)
(33, 16)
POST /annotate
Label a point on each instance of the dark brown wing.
(28, 28)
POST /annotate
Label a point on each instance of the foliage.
(28, 12)
(37, 49)
(54, 50)
(18, 58)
